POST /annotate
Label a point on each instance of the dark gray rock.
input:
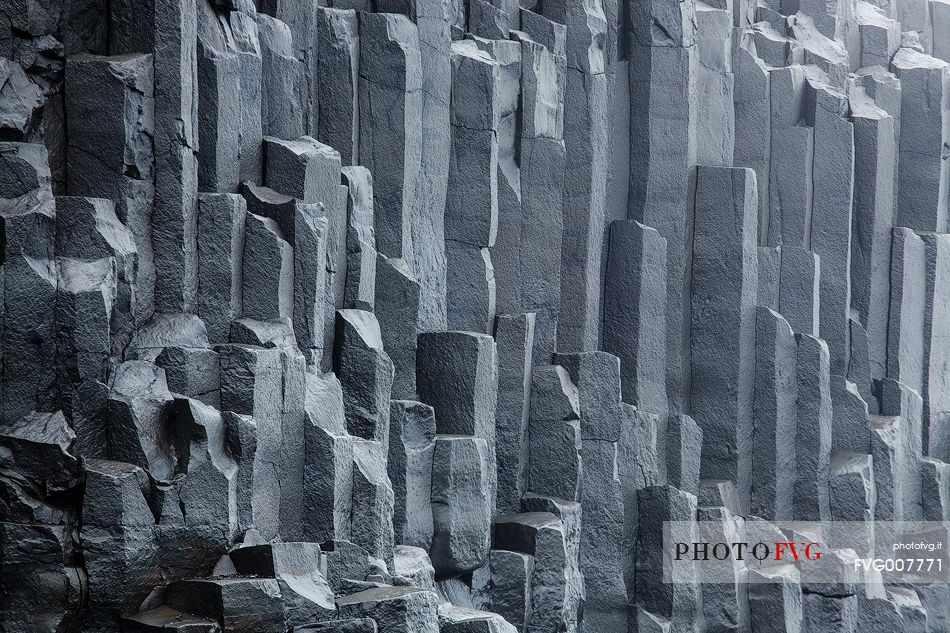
(267, 278)
(239, 604)
(390, 83)
(514, 336)
(366, 373)
(554, 435)
(634, 324)
(328, 464)
(396, 305)
(394, 608)
(724, 278)
(337, 75)
(296, 566)
(221, 225)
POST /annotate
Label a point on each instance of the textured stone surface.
(424, 315)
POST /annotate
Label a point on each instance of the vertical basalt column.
(724, 287)
(586, 166)
(663, 127)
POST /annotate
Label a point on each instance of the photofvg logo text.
(781, 551)
(734, 549)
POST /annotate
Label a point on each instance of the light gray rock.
(851, 488)
(831, 218)
(360, 284)
(209, 494)
(303, 168)
(85, 300)
(922, 176)
(248, 45)
(411, 445)
(935, 386)
(647, 510)
(905, 341)
(899, 400)
(753, 129)
(328, 464)
(813, 431)
(88, 228)
(140, 429)
(935, 489)
(791, 163)
(394, 608)
(663, 129)
(768, 472)
(679, 444)
(887, 453)
(435, 21)
(506, 254)
(241, 439)
(282, 86)
(770, 267)
(308, 230)
(637, 458)
(471, 210)
(412, 564)
(470, 283)
(634, 329)
(37, 449)
(724, 280)
(542, 154)
(875, 168)
(117, 539)
(775, 598)
(542, 536)
(597, 378)
(849, 427)
(798, 301)
(601, 547)
(461, 504)
(457, 374)
(371, 521)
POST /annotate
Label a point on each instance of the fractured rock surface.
(421, 316)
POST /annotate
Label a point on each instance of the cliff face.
(425, 315)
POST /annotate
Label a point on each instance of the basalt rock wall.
(425, 315)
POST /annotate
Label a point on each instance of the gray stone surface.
(411, 447)
(634, 323)
(725, 265)
(414, 315)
